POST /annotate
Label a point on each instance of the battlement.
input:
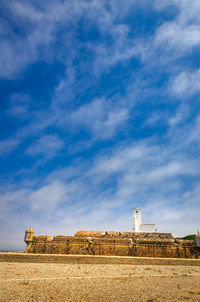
(89, 234)
(41, 238)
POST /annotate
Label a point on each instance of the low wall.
(90, 259)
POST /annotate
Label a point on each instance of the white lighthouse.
(137, 220)
(138, 226)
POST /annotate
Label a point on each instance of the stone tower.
(29, 235)
(137, 219)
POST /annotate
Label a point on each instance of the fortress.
(144, 241)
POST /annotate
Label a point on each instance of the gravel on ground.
(46, 282)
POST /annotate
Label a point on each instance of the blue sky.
(99, 114)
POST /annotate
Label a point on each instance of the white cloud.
(194, 136)
(40, 34)
(180, 116)
(12, 199)
(27, 11)
(157, 118)
(19, 105)
(172, 169)
(186, 84)
(48, 196)
(187, 12)
(170, 41)
(101, 117)
(48, 146)
(182, 34)
(177, 37)
(8, 145)
(120, 159)
(43, 25)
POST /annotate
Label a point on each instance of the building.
(112, 243)
(138, 226)
(143, 242)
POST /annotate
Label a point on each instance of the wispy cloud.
(47, 145)
(19, 105)
(101, 117)
(186, 84)
(124, 177)
(177, 37)
(8, 145)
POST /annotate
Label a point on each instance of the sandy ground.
(31, 282)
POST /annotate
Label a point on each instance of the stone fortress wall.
(137, 244)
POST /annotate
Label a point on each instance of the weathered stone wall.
(115, 244)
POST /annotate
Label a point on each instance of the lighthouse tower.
(138, 226)
(137, 219)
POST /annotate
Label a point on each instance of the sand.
(31, 282)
